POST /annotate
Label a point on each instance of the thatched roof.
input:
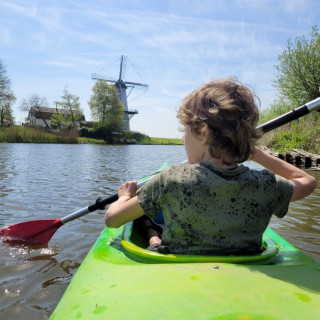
(47, 113)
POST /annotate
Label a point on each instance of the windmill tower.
(122, 86)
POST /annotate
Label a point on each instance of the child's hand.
(128, 189)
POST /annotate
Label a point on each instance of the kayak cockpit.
(134, 245)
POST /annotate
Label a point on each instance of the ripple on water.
(31, 280)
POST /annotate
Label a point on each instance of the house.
(42, 117)
(7, 122)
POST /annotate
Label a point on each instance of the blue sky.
(174, 46)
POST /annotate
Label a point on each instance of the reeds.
(19, 134)
(164, 141)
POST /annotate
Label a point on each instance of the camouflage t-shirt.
(210, 209)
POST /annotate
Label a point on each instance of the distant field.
(165, 141)
(91, 141)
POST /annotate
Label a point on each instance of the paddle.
(37, 232)
(290, 116)
(41, 231)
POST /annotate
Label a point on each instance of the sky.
(173, 46)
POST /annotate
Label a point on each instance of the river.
(42, 181)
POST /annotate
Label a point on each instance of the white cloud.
(175, 45)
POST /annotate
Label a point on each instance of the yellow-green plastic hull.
(114, 282)
(120, 280)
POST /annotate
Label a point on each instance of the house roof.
(47, 113)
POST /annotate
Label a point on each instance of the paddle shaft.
(290, 116)
(98, 205)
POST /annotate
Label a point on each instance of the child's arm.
(126, 208)
(303, 184)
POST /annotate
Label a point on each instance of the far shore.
(153, 141)
(19, 134)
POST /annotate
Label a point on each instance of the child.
(214, 204)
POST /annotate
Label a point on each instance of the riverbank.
(303, 134)
(18, 134)
(152, 141)
(165, 141)
(297, 157)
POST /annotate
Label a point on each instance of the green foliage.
(137, 136)
(166, 141)
(101, 133)
(298, 77)
(105, 107)
(106, 133)
(71, 104)
(59, 120)
(91, 141)
(6, 96)
(302, 134)
(275, 110)
(298, 82)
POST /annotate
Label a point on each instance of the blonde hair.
(231, 113)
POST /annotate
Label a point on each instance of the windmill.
(122, 86)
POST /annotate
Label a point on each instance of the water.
(50, 181)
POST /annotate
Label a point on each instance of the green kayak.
(120, 280)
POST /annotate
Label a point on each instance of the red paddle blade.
(31, 232)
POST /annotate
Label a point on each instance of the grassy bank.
(91, 141)
(18, 134)
(151, 141)
(165, 141)
(302, 134)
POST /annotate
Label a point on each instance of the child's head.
(226, 113)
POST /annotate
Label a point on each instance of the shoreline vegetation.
(303, 135)
(282, 143)
(19, 134)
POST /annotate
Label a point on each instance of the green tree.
(59, 120)
(298, 78)
(6, 96)
(70, 108)
(106, 108)
(297, 82)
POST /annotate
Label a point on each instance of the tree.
(71, 104)
(6, 96)
(105, 107)
(35, 101)
(298, 78)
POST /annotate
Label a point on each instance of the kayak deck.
(119, 280)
